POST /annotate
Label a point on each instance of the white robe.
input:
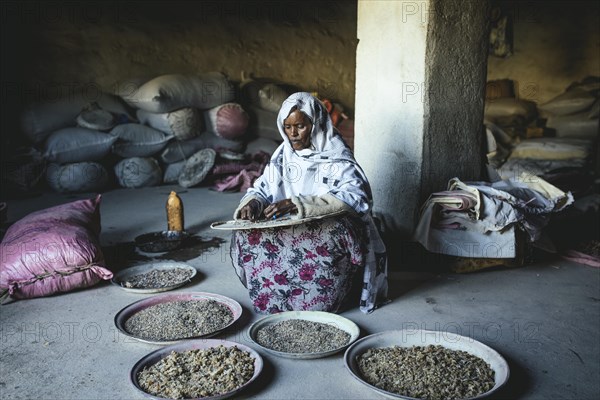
(322, 179)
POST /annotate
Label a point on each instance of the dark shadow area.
(119, 256)
(363, 332)
(518, 384)
(400, 287)
(191, 248)
(352, 298)
(266, 378)
(575, 228)
(406, 255)
(240, 327)
(198, 278)
(576, 225)
(397, 287)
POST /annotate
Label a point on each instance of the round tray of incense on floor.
(154, 277)
(171, 317)
(420, 364)
(208, 369)
(303, 334)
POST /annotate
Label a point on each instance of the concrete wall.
(419, 100)
(68, 46)
(555, 44)
(390, 73)
(457, 47)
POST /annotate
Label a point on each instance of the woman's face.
(298, 127)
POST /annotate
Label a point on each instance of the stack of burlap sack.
(574, 113)
(146, 132)
(553, 140)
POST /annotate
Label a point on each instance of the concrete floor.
(544, 319)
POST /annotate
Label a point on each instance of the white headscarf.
(322, 135)
(328, 166)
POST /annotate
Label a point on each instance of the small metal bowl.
(121, 277)
(159, 242)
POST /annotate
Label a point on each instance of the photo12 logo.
(454, 332)
(50, 332)
(418, 11)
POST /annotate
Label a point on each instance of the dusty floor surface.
(543, 318)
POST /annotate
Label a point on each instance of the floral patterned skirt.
(302, 267)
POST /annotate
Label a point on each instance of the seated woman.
(309, 266)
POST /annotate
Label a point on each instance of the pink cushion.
(53, 250)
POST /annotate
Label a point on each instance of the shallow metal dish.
(157, 355)
(409, 338)
(137, 306)
(315, 316)
(159, 242)
(122, 276)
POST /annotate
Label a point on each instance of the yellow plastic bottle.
(174, 213)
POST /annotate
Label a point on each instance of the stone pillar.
(420, 84)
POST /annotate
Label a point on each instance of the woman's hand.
(251, 211)
(280, 209)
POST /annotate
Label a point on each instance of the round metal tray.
(315, 316)
(409, 338)
(137, 306)
(240, 224)
(157, 355)
(122, 276)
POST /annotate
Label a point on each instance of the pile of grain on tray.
(156, 279)
(179, 320)
(198, 373)
(301, 336)
(426, 372)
